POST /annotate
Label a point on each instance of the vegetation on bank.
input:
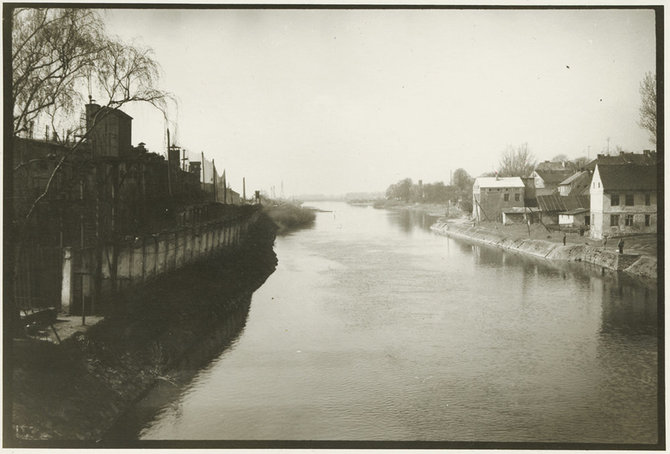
(289, 216)
(457, 194)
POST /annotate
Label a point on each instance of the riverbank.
(75, 391)
(636, 264)
(288, 216)
(432, 209)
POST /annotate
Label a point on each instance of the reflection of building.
(493, 195)
(623, 200)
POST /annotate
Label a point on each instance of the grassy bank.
(289, 216)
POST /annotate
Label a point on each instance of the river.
(373, 328)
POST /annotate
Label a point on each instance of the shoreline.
(637, 265)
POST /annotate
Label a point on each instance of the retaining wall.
(640, 266)
(145, 258)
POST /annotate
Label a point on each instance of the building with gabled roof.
(548, 175)
(492, 195)
(646, 158)
(575, 184)
(623, 199)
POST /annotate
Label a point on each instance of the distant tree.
(401, 190)
(560, 158)
(580, 163)
(516, 162)
(438, 192)
(648, 107)
(404, 189)
(462, 180)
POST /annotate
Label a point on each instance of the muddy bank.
(643, 267)
(71, 394)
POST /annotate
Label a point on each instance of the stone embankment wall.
(640, 266)
(140, 260)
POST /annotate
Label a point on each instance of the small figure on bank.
(605, 242)
(620, 244)
(564, 238)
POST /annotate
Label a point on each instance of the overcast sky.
(335, 101)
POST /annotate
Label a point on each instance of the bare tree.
(648, 107)
(52, 51)
(57, 55)
(516, 162)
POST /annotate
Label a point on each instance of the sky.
(337, 101)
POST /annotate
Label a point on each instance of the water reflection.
(373, 328)
(407, 219)
(166, 396)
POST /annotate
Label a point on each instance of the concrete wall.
(145, 258)
(636, 265)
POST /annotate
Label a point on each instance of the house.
(110, 131)
(550, 207)
(576, 184)
(579, 217)
(623, 200)
(548, 175)
(492, 195)
(646, 158)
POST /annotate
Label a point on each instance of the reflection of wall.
(628, 308)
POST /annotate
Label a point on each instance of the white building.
(623, 200)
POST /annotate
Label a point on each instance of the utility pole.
(225, 188)
(244, 189)
(214, 178)
(202, 153)
(169, 169)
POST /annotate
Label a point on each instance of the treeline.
(459, 192)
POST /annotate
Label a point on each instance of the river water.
(374, 328)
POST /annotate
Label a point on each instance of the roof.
(556, 202)
(515, 210)
(573, 177)
(553, 176)
(550, 166)
(648, 158)
(628, 177)
(576, 211)
(579, 182)
(500, 182)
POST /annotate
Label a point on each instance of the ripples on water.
(372, 328)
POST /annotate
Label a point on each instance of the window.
(599, 184)
(506, 197)
(630, 201)
(647, 220)
(629, 220)
(647, 199)
(586, 220)
(615, 199)
(614, 220)
(517, 197)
